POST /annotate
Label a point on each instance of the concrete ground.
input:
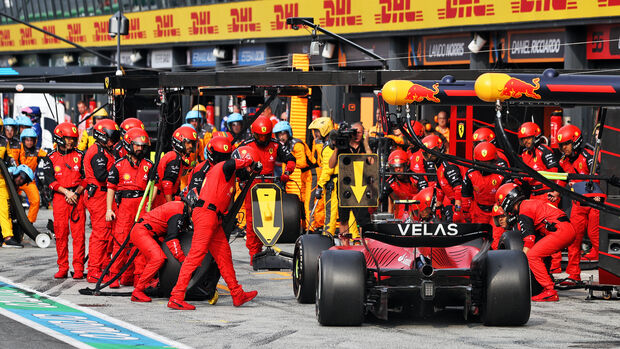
(274, 318)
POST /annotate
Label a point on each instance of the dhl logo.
(101, 31)
(516, 88)
(397, 11)
(606, 3)
(134, 29)
(201, 24)
(75, 32)
(338, 14)
(418, 93)
(5, 38)
(48, 39)
(242, 21)
(466, 9)
(526, 6)
(165, 27)
(26, 38)
(282, 13)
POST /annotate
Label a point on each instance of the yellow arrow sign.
(267, 203)
(357, 187)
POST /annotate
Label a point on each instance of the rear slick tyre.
(340, 292)
(507, 296)
(305, 264)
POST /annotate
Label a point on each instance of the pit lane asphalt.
(274, 318)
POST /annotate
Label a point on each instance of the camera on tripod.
(343, 135)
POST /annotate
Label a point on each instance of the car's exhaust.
(423, 264)
(427, 270)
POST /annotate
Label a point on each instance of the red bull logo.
(418, 93)
(516, 88)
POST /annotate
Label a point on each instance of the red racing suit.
(169, 171)
(273, 152)
(166, 221)
(450, 180)
(541, 158)
(65, 169)
(479, 197)
(582, 217)
(97, 163)
(128, 180)
(215, 199)
(197, 176)
(545, 230)
(399, 189)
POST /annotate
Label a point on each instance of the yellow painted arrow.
(267, 204)
(357, 187)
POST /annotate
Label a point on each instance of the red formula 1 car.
(419, 266)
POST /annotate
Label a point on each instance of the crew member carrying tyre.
(479, 188)
(577, 159)
(167, 222)
(545, 230)
(21, 174)
(97, 163)
(449, 177)
(214, 201)
(30, 156)
(304, 161)
(268, 152)
(126, 125)
(64, 165)
(172, 166)
(127, 180)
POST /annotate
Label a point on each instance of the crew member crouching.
(545, 230)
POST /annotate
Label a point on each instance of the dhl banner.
(267, 19)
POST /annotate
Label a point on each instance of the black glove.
(256, 167)
(318, 193)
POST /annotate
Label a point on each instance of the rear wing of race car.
(426, 234)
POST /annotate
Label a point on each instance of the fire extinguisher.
(556, 123)
(210, 113)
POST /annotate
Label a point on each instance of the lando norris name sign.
(74, 325)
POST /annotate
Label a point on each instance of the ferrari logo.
(523, 130)
(270, 150)
(461, 130)
(417, 158)
(580, 166)
(195, 135)
(495, 208)
(484, 153)
(177, 134)
(75, 160)
(74, 129)
(559, 138)
(106, 82)
(225, 147)
(99, 127)
(475, 136)
(263, 129)
(145, 168)
(267, 212)
(143, 138)
(535, 159)
(501, 197)
(494, 181)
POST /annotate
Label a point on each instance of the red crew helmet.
(65, 129)
(433, 142)
(182, 135)
(130, 123)
(570, 133)
(136, 136)
(418, 128)
(529, 129)
(507, 196)
(485, 151)
(484, 134)
(218, 149)
(106, 129)
(398, 158)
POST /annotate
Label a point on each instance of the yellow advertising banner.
(267, 19)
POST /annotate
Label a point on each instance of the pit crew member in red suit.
(576, 159)
(400, 187)
(268, 151)
(449, 177)
(174, 163)
(479, 188)
(127, 181)
(416, 155)
(545, 230)
(98, 161)
(126, 125)
(165, 222)
(215, 199)
(485, 134)
(64, 166)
